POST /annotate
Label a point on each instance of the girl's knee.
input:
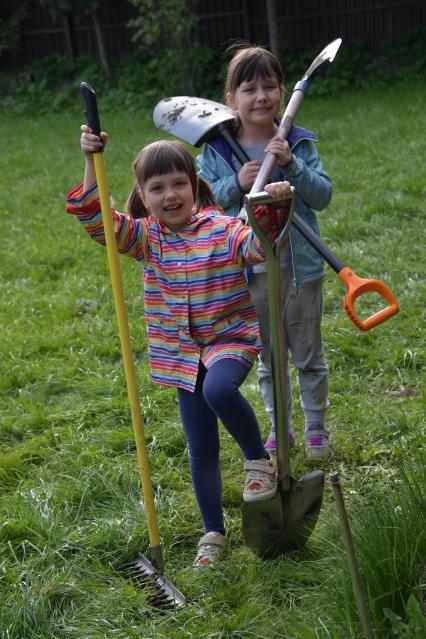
(219, 391)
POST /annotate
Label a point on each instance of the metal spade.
(285, 522)
(192, 119)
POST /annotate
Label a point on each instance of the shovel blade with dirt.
(285, 522)
(191, 119)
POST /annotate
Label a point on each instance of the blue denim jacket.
(305, 172)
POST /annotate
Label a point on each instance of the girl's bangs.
(164, 159)
(257, 66)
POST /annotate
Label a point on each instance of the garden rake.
(145, 573)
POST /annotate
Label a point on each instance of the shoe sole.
(319, 454)
(260, 496)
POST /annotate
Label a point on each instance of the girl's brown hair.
(160, 158)
(249, 62)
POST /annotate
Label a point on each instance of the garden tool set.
(145, 573)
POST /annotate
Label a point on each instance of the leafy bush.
(143, 78)
(10, 31)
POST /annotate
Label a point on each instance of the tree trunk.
(69, 41)
(101, 44)
(273, 30)
(246, 22)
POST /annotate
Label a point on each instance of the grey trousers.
(301, 313)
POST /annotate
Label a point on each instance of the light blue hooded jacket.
(305, 172)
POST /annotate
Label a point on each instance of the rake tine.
(165, 595)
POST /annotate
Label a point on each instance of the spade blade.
(191, 119)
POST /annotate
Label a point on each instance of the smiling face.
(170, 198)
(255, 89)
(257, 101)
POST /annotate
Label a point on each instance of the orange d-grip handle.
(356, 286)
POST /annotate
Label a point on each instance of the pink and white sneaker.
(317, 442)
(271, 442)
(261, 480)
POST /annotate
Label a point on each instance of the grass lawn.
(71, 509)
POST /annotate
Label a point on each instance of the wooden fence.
(302, 24)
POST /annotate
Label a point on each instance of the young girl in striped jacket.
(202, 330)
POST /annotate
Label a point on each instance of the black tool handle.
(318, 245)
(236, 149)
(90, 107)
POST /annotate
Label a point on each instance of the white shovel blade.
(190, 119)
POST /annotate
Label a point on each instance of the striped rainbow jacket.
(197, 305)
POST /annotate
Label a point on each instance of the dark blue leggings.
(217, 395)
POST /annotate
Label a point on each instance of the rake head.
(164, 595)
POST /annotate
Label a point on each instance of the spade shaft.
(324, 58)
(285, 522)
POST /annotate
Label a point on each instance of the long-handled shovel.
(322, 60)
(145, 572)
(355, 285)
(285, 522)
(196, 121)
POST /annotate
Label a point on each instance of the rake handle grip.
(91, 108)
(357, 286)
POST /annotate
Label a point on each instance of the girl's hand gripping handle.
(357, 286)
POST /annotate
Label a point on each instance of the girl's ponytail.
(134, 205)
(204, 196)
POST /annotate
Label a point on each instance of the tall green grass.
(71, 509)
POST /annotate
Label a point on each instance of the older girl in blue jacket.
(255, 90)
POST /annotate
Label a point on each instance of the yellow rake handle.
(126, 349)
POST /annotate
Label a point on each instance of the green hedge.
(52, 84)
